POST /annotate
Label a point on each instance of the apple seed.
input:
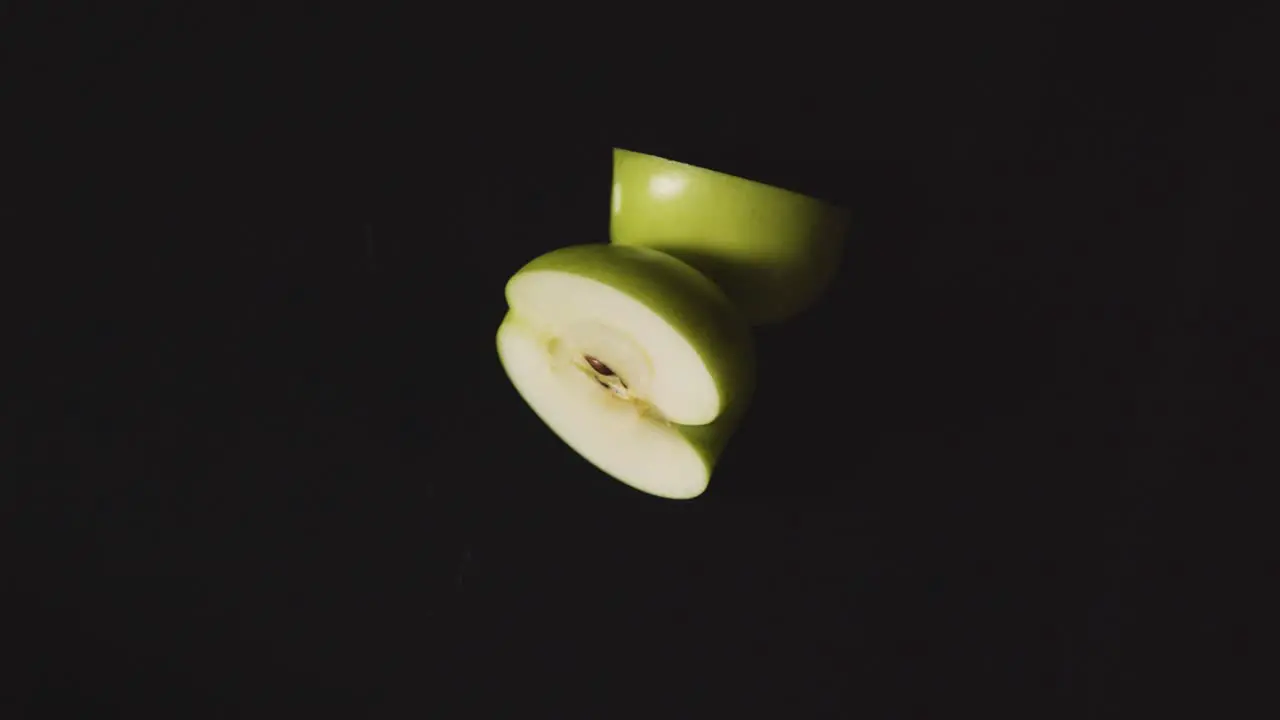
(598, 366)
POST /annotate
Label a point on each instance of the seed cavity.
(606, 378)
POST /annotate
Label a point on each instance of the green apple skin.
(692, 304)
(772, 251)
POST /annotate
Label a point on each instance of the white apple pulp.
(556, 321)
(639, 362)
(587, 317)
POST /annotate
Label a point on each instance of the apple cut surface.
(633, 358)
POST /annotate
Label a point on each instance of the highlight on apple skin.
(772, 251)
(635, 359)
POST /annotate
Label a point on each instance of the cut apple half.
(634, 359)
(772, 251)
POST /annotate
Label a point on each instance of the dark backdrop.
(268, 458)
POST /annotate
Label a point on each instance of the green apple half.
(772, 251)
(635, 359)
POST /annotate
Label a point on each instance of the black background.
(269, 460)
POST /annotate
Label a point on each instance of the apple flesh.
(633, 358)
(772, 251)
